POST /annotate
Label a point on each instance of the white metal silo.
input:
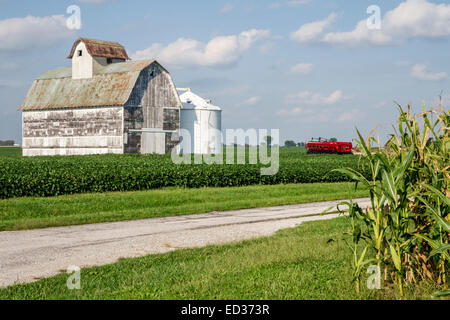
(203, 121)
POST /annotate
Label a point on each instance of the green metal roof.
(112, 86)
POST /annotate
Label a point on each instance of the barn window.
(80, 53)
(108, 60)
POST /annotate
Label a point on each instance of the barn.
(104, 103)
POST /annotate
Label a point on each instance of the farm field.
(38, 212)
(58, 191)
(306, 262)
(10, 152)
(53, 176)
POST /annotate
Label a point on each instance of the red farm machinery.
(322, 145)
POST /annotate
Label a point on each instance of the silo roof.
(192, 101)
(112, 86)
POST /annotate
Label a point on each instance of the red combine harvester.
(322, 145)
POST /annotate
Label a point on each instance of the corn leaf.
(441, 294)
(405, 165)
(355, 175)
(442, 249)
(445, 199)
(363, 144)
(443, 223)
(395, 258)
(389, 185)
(361, 258)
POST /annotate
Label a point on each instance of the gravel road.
(26, 256)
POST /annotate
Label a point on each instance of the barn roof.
(99, 48)
(112, 86)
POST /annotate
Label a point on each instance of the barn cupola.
(90, 56)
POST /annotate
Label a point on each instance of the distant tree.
(301, 144)
(268, 140)
(333, 140)
(7, 143)
(290, 143)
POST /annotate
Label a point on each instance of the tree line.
(6, 143)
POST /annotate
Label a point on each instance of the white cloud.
(314, 99)
(419, 71)
(411, 19)
(250, 101)
(227, 8)
(310, 32)
(219, 51)
(361, 35)
(301, 69)
(17, 34)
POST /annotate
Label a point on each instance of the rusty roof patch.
(99, 48)
(111, 87)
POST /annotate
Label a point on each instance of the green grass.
(30, 213)
(298, 263)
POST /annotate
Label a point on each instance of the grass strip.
(37, 212)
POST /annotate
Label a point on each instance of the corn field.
(405, 232)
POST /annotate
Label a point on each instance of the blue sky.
(307, 67)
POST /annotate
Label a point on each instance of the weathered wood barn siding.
(153, 104)
(72, 132)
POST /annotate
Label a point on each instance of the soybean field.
(59, 175)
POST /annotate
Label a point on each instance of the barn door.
(153, 143)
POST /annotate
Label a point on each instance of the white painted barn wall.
(82, 67)
(104, 137)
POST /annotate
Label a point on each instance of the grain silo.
(203, 122)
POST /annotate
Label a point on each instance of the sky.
(310, 68)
